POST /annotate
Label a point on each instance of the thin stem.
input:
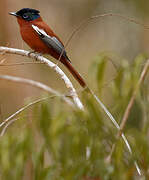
(131, 102)
(12, 118)
(7, 125)
(130, 105)
(21, 110)
(83, 23)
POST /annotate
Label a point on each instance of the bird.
(42, 39)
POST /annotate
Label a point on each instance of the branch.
(35, 84)
(62, 75)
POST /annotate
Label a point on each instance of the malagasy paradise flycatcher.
(40, 37)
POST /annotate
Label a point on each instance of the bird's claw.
(31, 52)
(36, 54)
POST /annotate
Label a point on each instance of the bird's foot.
(36, 54)
(31, 52)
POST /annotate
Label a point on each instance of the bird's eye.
(25, 16)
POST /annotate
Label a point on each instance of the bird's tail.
(75, 74)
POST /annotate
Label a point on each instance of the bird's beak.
(13, 13)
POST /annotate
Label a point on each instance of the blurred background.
(109, 34)
(52, 140)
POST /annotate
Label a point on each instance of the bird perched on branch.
(39, 36)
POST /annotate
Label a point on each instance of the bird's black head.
(27, 14)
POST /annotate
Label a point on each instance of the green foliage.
(53, 141)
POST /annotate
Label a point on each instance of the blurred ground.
(108, 34)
